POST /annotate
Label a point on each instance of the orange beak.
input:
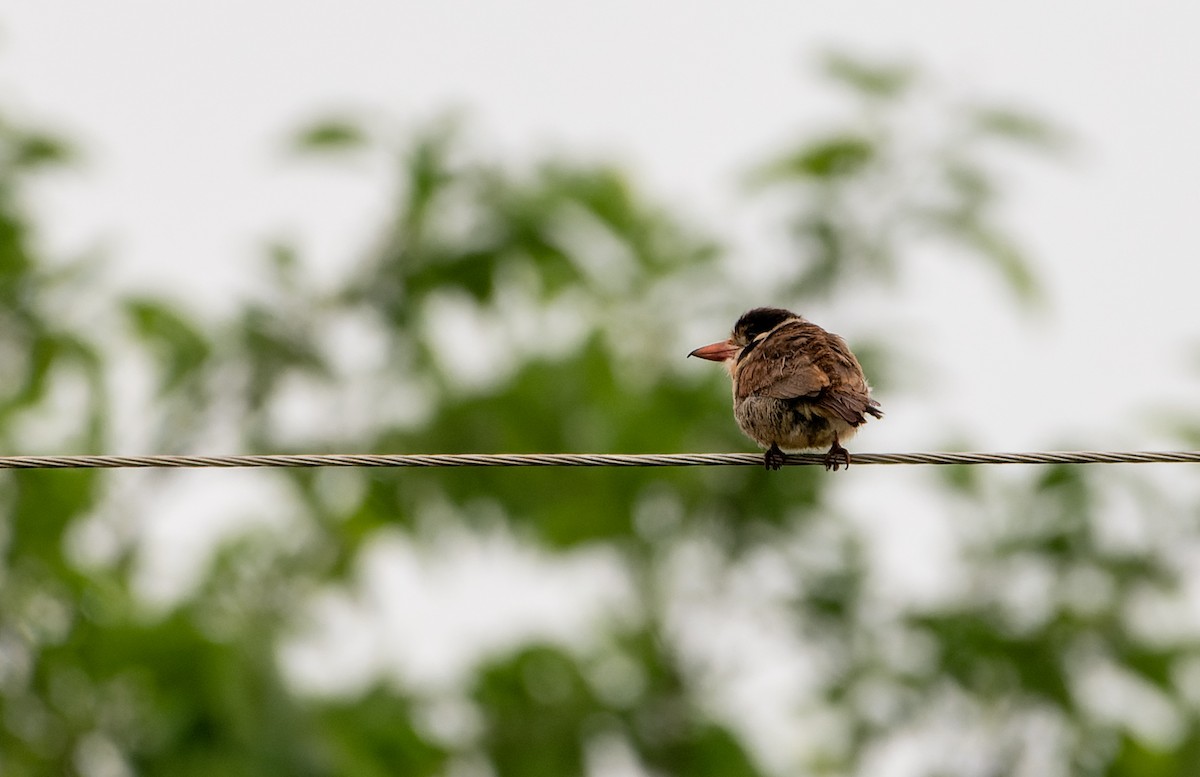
(717, 352)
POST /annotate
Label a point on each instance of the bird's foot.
(774, 458)
(836, 457)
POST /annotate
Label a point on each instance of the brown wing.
(782, 365)
(801, 361)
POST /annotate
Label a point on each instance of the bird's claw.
(837, 457)
(774, 458)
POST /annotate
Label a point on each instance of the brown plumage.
(795, 386)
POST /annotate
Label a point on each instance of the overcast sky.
(181, 108)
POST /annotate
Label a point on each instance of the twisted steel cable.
(583, 459)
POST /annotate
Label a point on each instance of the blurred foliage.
(878, 182)
(533, 308)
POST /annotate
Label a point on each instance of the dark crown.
(754, 322)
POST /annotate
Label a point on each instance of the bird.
(795, 385)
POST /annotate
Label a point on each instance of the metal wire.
(585, 459)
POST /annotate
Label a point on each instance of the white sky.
(181, 108)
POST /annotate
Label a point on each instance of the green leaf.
(1008, 259)
(835, 157)
(180, 347)
(876, 80)
(331, 135)
(42, 504)
(377, 736)
(270, 347)
(536, 706)
(1138, 758)
(1018, 126)
(37, 150)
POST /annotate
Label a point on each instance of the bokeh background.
(368, 227)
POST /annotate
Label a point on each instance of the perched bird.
(795, 386)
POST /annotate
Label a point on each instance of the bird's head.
(749, 329)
